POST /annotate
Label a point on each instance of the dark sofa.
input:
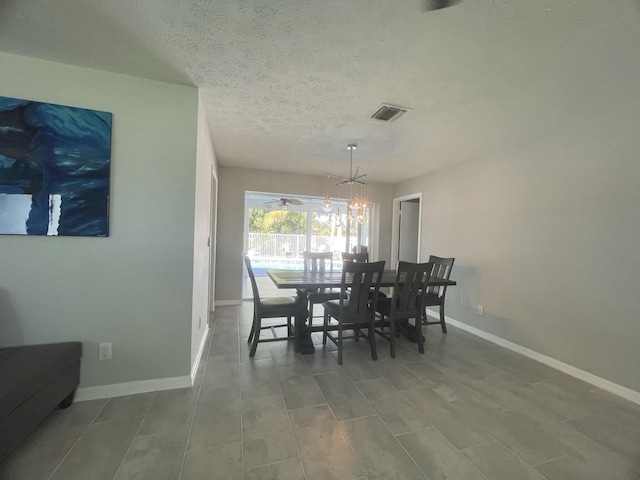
(34, 380)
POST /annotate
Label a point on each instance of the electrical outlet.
(105, 351)
(480, 310)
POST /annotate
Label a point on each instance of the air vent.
(388, 113)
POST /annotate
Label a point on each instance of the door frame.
(212, 241)
(395, 225)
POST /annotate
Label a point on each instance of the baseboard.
(143, 386)
(224, 303)
(614, 388)
(132, 388)
(196, 363)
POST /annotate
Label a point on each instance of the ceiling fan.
(428, 5)
(283, 202)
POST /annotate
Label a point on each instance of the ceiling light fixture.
(358, 208)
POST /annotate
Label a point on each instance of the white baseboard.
(619, 390)
(131, 388)
(224, 303)
(143, 386)
(196, 363)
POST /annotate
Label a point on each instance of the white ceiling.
(288, 84)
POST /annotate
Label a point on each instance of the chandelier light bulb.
(327, 204)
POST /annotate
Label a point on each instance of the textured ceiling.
(288, 84)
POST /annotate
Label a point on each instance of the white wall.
(233, 184)
(546, 236)
(206, 168)
(133, 288)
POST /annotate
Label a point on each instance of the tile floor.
(466, 409)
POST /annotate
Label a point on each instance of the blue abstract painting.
(54, 169)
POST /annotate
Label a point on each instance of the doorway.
(407, 221)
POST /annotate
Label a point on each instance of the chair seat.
(432, 299)
(319, 297)
(279, 306)
(277, 301)
(384, 308)
(332, 307)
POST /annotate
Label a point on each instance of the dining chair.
(272, 307)
(355, 257)
(435, 295)
(406, 303)
(320, 262)
(355, 309)
(360, 257)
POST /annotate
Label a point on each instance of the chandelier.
(358, 207)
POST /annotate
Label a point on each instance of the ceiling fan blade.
(428, 5)
(294, 201)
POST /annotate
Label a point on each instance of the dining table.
(305, 281)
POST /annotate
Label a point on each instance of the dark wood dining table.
(304, 281)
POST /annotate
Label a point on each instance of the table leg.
(302, 332)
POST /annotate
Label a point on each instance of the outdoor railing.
(291, 245)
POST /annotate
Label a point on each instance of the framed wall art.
(54, 169)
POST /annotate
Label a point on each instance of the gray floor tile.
(122, 408)
(498, 463)
(428, 373)
(454, 425)
(222, 371)
(171, 410)
(154, 457)
(358, 366)
(324, 450)
(217, 419)
(398, 374)
(437, 457)
(610, 432)
(531, 445)
(542, 399)
(220, 463)
(505, 412)
(285, 470)
(105, 444)
(322, 361)
(301, 391)
(267, 436)
(381, 455)
(580, 447)
(568, 468)
(259, 379)
(283, 354)
(39, 455)
(343, 397)
(396, 412)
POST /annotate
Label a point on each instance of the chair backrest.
(361, 285)
(254, 285)
(441, 269)
(410, 288)
(318, 261)
(355, 257)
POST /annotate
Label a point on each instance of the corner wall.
(206, 170)
(133, 288)
(546, 236)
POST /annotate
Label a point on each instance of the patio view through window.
(277, 232)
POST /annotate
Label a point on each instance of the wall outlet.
(105, 351)
(480, 310)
